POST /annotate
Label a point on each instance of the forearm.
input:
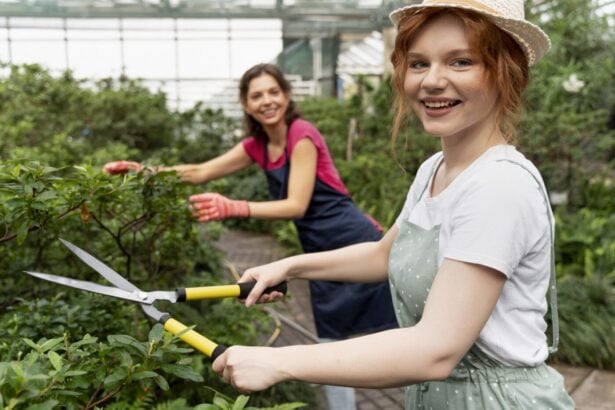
(281, 209)
(226, 164)
(362, 262)
(191, 173)
(387, 359)
(460, 301)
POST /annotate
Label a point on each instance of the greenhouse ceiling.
(285, 9)
(300, 17)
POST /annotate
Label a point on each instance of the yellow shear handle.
(194, 339)
(240, 290)
(212, 292)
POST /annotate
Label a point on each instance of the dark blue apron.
(332, 221)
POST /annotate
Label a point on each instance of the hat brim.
(534, 42)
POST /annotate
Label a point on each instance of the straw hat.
(508, 15)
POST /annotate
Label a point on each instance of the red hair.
(504, 60)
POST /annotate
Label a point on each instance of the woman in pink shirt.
(304, 186)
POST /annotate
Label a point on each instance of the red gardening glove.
(210, 206)
(121, 167)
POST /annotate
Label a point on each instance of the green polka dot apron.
(478, 381)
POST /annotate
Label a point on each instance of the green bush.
(51, 185)
(58, 133)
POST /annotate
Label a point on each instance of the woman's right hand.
(265, 276)
(122, 167)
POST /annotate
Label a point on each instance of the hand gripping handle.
(193, 338)
(240, 290)
(246, 288)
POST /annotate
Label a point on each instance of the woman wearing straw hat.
(470, 257)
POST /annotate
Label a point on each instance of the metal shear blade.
(135, 296)
(108, 273)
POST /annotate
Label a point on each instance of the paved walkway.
(591, 389)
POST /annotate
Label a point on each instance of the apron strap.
(284, 182)
(431, 175)
(552, 277)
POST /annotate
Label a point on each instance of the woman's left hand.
(250, 369)
(211, 206)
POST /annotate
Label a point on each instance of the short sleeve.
(325, 168)
(301, 129)
(498, 218)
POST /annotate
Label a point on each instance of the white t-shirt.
(495, 214)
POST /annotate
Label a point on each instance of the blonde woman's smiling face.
(446, 81)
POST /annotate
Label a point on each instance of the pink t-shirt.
(299, 129)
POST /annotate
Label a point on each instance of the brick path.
(591, 389)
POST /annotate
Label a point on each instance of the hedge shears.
(123, 289)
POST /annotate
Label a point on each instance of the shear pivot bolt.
(142, 295)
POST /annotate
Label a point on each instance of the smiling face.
(265, 101)
(446, 82)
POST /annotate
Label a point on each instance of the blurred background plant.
(51, 186)
(63, 346)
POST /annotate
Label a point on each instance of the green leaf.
(126, 359)
(49, 170)
(16, 171)
(156, 333)
(126, 340)
(116, 376)
(290, 406)
(46, 195)
(51, 343)
(162, 383)
(87, 339)
(33, 345)
(18, 370)
(22, 232)
(72, 373)
(46, 405)
(185, 361)
(183, 372)
(221, 402)
(144, 375)
(55, 360)
(240, 402)
(28, 190)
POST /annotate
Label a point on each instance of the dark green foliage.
(61, 348)
(39, 107)
(117, 372)
(566, 132)
(92, 372)
(201, 134)
(65, 313)
(51, 185)
(585, 243)
(587, 320)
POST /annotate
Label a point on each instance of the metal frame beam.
(235, 9)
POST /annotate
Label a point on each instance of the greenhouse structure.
(196, 50)
(124, 145)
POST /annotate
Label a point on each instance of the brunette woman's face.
(265, 101)
(446, 81)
